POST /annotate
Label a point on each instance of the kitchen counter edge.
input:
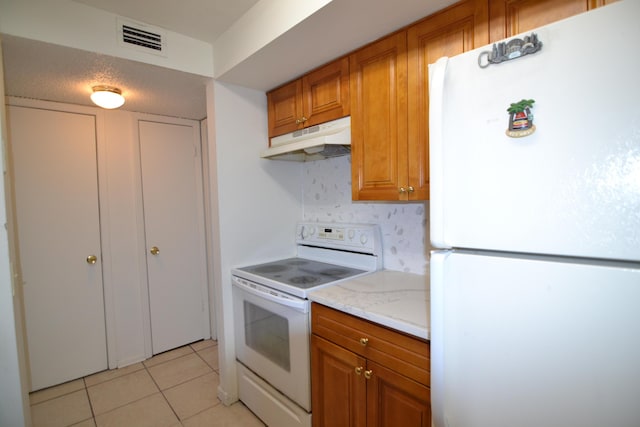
(389, 298)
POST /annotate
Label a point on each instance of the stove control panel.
(363, 238)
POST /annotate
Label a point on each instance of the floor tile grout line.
(54, 397)
(86, 390)
(161, 391)
(166, 361)
(111, 379)
(86, 387)
(205, 361)
(171, 407)
(127, 404)
(204, 410)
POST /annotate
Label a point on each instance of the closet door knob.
(154, 250)
(92, 259)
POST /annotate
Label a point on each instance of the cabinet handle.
(92, 259)
(368, 374)
(359, 370)
(364, 341)
(154, 250)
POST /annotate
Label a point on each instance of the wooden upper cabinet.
(390, 101)
(319, 96)
(511, 17)
(450, 32)
(378, 81)
(284, 106)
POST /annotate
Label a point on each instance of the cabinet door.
(338, 394)
(174, 224)
(325, 93)
(378, 81)
(56, 192)
(448, 33)
(511, 17)
(395, 400)
(284, 108)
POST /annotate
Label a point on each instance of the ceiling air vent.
(141, 37)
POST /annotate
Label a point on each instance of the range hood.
(330, 139)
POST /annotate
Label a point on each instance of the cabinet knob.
(92, 259)
(154, 250)
(359, 370)
(402, 190)
(368, 374)
(411, 189)
(364, 341)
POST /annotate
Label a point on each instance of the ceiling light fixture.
(107, 97)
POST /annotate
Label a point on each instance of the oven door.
(272, 338)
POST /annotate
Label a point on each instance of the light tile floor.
(176, 388)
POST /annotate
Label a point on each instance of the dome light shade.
(107, 97)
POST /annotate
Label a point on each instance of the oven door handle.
(298, 304)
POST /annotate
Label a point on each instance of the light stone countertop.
(391, 298)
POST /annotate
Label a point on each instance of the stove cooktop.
(301, 273)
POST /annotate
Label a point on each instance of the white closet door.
(174, 232)
(55, 163)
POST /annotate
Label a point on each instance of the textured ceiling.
(55, 73)
(50, 72)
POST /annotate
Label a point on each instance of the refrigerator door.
(570, 188)
(534, 342)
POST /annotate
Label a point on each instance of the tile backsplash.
(404, 226)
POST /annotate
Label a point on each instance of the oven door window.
(268, 334)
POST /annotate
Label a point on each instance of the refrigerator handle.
(436, 268)
(437, 73)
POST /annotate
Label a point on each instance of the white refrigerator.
(535, 282)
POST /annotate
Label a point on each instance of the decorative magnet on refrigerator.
(521, 119)
(505, 51)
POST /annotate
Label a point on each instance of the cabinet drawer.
(402, 353)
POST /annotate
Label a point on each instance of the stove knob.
(364, 239)
(303, 232)
(351, 234)
(312, 231)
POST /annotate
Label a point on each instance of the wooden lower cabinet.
(395, 400)
(338, 394)
(366, 375)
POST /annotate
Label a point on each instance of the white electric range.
(271, 312)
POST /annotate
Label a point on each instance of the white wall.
(404, 226)
(258, 203)
(14, 407)
(262, 24)
(72, 24)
